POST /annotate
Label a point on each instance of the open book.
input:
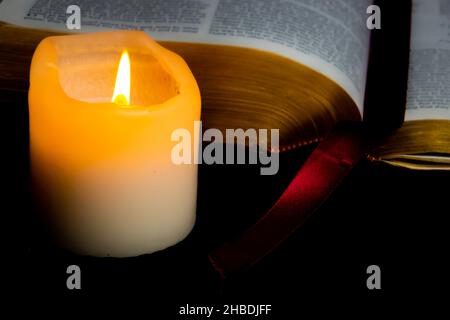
(296, 65)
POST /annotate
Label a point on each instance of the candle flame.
(121, 93)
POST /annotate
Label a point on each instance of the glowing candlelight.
(121, 93)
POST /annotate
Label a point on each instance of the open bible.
(295, 65)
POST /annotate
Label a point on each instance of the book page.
(329, 36)
(429, 74)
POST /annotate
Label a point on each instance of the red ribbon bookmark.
(323, 171)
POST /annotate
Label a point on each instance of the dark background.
(381, 215)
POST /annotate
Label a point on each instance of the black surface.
(381, 215)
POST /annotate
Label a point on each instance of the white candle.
(101, 161)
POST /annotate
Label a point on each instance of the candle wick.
(120, 99)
